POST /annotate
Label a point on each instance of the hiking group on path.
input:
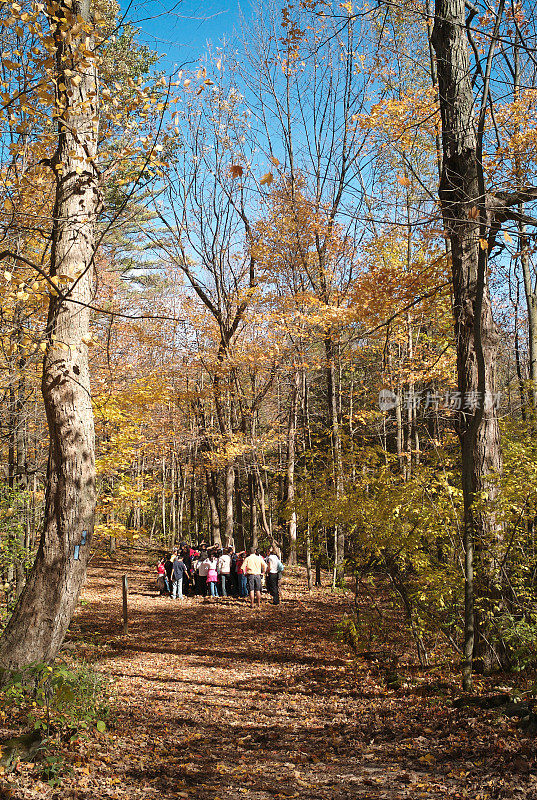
(219, 573)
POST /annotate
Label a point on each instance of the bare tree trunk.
(45, 608)
(212, 494)
(12, 425)
(518, 364)
(194, 524)
(21, 431)
(137, 519)
(351, 431)
(35, 516)
(411, 400)
(253, 509)
(308, 557)
(17, 446)
(337, 464)
(182, 501)
(531, 305)
(524, 254)
(399, 431)
(240, 516)
(291, 449)
(318, 556)
(307, 448)
(163, 502)
(173, 500)
(260, 495)
(229, 489)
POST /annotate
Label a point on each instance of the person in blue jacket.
(179, 574)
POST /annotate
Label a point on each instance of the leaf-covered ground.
(215, 701)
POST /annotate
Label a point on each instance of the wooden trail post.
(125, 583)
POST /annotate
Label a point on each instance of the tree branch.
(9, 254)
(507, 199)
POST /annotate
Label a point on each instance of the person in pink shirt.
(162, 579)
(212, 575)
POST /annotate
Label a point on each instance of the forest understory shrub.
(53, 705)
(17, 547)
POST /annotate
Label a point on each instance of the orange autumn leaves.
(299, 244)
(298, 247)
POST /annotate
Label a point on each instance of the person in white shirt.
(224, 568)
(203, 569)
(272, 576)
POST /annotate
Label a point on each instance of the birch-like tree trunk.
(45, 608)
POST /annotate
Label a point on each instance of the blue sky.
(181, 31)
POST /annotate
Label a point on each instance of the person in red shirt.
(243, 584)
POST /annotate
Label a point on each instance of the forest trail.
(215, 701)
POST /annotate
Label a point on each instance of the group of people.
(217, 572)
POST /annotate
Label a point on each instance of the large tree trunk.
(193, 522)
(462, 197)
(224, 417)
(212, 494)
(240, 520)
(45, 608)
(252, 485)
(260, 496)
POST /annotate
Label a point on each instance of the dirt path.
(218, 700)
(215, 701)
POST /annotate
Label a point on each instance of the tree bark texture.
(45, 608)
(463, 202)
(212, 494)
(252, 486)
(229, 489)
